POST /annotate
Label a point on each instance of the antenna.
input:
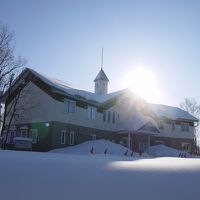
(102, 59)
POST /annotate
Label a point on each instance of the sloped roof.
(135, 121)
(101, 76)
(160, 111)
(169, 112)
(69, 89)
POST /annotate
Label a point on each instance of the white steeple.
(101, 83)
(101, 80)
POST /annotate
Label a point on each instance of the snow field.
(50, 176)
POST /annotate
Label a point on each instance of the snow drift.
(99, 147)
(164, 151)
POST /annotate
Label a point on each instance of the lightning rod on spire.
(102, 59)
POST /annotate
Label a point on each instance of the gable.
(149, 127)
(59, 90)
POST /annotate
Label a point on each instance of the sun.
(144, 83)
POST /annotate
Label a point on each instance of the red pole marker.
(92, 151)
(126, 153)
(132, 154)
(105, 152)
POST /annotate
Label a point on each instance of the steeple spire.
(102, 58)
(101, 80)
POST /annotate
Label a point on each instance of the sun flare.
(144, 83)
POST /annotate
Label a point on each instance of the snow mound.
(99, 147)
(162, 150)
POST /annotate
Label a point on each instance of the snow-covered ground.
(97, 147)
(52, 176)
(100, 146)
(164, 151)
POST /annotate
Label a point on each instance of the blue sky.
(63, 39)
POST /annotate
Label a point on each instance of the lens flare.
(144, 83)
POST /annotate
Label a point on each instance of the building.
(55, 115)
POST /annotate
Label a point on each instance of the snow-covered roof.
(101, 76)
(161, 111)
(135, 121)
(60, 86)
(169, 112)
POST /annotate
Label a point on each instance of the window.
(91, 112)
(184, 127)
(69, 106)
(71, 138)
(34, 135)
(185, 146)
(11, 136)
(161, 124)
(173, 126)
(93, 137)
(108, 116)
(113, 119)
(143, 146)
(104, 115)
(24, 133)
(63, 137)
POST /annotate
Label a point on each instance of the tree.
(193, 107)
(10, 66)
(9, 63)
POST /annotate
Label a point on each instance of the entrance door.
(142, 146)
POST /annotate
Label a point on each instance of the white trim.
(129, 139)
(24, 131)
(94, 137)
(69, 106)
(71, 138)
(24, 127)
(34, 135)
(63, 137)
(186, 146)
(91, 112)
(185, 127)
(173, 126)
(143, 146)
(13, 128)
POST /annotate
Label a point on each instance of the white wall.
(177, 133)
(101, 87)
(45, 108)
